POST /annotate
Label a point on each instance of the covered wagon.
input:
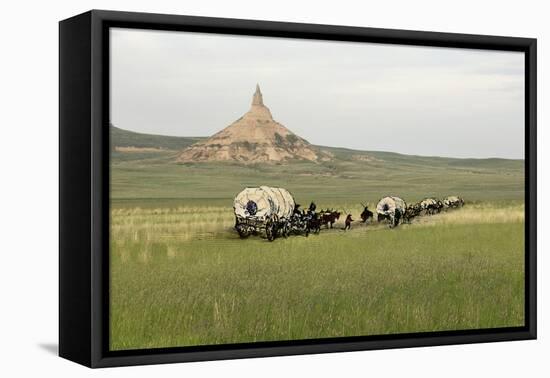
(391, 209)
(453, 201)
(431, 205)
(263, 210)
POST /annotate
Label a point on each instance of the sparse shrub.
(292, 139)
(279, 140)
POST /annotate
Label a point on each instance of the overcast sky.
(413, 100)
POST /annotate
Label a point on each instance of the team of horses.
(395, 216)
(310, 220)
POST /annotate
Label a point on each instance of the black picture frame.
(84, 187)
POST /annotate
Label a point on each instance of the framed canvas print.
(234, 188)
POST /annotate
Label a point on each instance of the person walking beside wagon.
(348, 222)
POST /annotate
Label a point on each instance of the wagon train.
(273, 212)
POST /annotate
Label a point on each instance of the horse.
(297, 210)
(366, 214)
(412, 211)
(313, 223)
(329, 217)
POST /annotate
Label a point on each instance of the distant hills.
(146, 166)
(125, 140)
(129, 142)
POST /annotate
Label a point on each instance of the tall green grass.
(181, 276)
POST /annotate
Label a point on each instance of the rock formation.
(255, 137)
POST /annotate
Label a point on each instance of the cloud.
(356, 95)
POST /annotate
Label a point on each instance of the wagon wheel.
(243, 232)
(271, 230)
(281, 226)
(391, 221)
(394, 220)
(286, 230)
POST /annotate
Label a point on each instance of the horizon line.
(345, 148)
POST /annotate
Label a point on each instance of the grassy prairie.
(183, 277)
(153, 178)
(156, 177)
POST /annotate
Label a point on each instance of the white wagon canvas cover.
(387, 205)
(268, 201)
(427, 202)
(450, 200)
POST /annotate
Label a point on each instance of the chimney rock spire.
(257, 99)
(253, 138)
